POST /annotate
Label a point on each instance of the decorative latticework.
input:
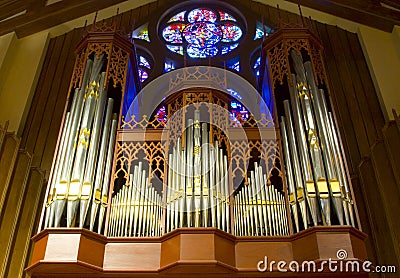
(127, 153)
(281, 43)
(279, 66)
(265, 152)
(118, 66)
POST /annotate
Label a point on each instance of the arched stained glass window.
(202, 33)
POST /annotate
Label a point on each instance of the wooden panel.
(41, 105)
(12, 207)
(339, 101)
(368, 85)
(47, 150)
(383, 243)
(8, 155)
(349, 94)
(53, 98)
(358, 87)
(25, 228)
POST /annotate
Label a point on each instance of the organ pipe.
(76, 178)
(314, 165)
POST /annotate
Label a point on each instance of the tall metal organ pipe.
(73, 181)
(313, 133)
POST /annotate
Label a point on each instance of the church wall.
(20, 69)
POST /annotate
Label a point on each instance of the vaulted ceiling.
(27, 17)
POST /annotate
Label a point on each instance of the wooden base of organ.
(206, 252)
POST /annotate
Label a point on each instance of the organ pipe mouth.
(323, 188)
(61, 190)
(335, 187)
(311, 188)
(74, 190)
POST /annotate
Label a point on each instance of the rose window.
(202, 33)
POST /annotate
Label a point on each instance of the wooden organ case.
(189, 188)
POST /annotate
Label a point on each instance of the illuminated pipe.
(347, 202)
(182, 191)
(227, 195)
(189, 171)
(297, 173)
(86, 190)
(217, 183)
(132, 179)
(169, 199)
(197, 168)
(289, 175)
(221, 188)
(97, 197)
(137, 198)
(309, 187)
(204, 173)
(212, 187)
(107, 171)
(50, 207)
(261, 189)
(63, 184)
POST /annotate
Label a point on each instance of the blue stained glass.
(231, 32)
(226, 16)
(195, 52)
(176, 48)
(143, 75)
(143, 62)
(201, 15)
(173, 32)
(162, 115)
(202, 34)
(229, 48)
(259, 33)
(168, 66)
(235, 66)
(234, 93)
(238, 112)
(257, 65)
(178, 17)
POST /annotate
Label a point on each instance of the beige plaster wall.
(19, 71)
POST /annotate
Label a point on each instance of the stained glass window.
(256, 66)
(178, 17)
(141, 33)
(234, 93)
(144, 68)
(226, 16)
(234, 64)
(202, 33)
(260, 29)
(168, 66)
(238, 113)
(162, 115)
(202, 15)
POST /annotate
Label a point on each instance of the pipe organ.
(188, 181)
(136, 193)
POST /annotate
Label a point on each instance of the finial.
(279, 16)
(301, 14)
(95, 19)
